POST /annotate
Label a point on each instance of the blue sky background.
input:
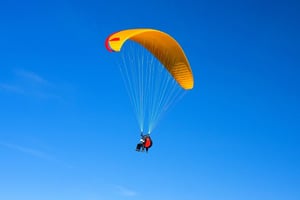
(67, 129)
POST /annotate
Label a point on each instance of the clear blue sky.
(64, 108)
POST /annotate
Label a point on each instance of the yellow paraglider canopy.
(162, 46)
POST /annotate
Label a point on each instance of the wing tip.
(108, 39)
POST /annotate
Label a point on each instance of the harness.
(148, 142)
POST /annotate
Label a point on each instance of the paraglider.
(144, 143)
(156, 73)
